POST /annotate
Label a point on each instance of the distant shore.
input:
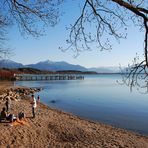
(54, 128)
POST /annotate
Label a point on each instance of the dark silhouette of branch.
(101, 21)
(31, 17)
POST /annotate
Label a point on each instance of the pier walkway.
(38, 77)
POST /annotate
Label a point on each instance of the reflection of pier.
(38, 77)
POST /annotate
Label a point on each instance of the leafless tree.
(30, 16)
(100, 21)
(3, 25)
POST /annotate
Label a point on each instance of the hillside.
(8, 74)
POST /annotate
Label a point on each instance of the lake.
(98, 98)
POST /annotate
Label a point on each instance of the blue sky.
(33, 50)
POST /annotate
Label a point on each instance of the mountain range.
(56, 66)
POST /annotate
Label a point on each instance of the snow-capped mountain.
(56, 66)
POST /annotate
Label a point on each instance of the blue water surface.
(97, 97)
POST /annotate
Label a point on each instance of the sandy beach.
(56, 129)
(6, 84)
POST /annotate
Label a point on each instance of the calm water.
(99, 98)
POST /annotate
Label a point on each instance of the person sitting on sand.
(34, 105)
(3, 115)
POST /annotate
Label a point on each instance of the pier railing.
(38, 77)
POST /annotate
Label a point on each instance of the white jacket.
(34, 105)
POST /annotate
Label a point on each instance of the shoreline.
(94, 122)
(56, 128)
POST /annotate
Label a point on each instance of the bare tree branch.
(31, 16)
(100, 22)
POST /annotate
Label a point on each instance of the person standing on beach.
(38, 99)
(7, 103)
(34, 105)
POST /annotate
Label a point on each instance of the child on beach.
(38, 98)
(38, 101)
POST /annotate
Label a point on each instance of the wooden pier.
(39, 77)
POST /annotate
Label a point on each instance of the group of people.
(5, 113)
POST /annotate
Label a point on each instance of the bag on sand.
(10, 117)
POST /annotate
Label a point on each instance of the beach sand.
(6, 84)
(56, 129)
